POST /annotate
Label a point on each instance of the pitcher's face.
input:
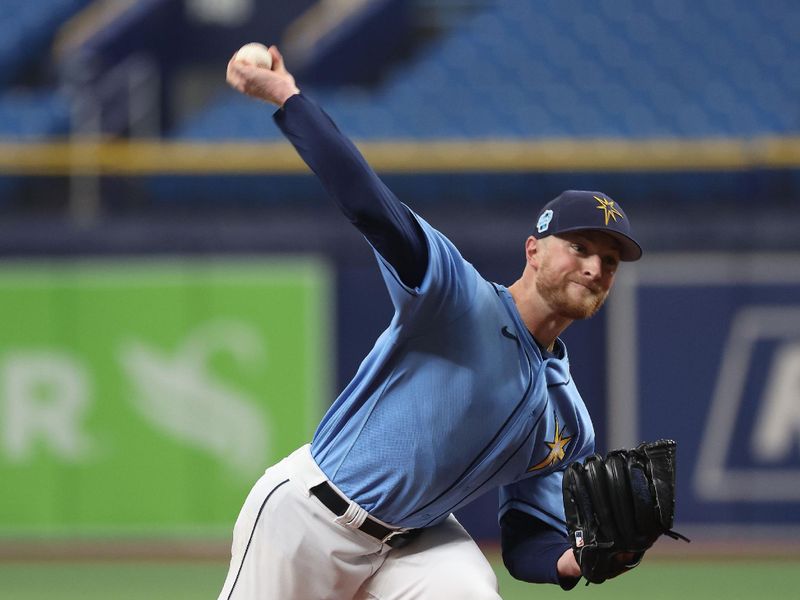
(577, 271)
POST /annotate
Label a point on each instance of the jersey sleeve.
(447, 289)
(541, 496)
(354, 187)
(426, 276)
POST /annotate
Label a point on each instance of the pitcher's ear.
(533, 250)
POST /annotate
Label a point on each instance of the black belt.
(338, 506)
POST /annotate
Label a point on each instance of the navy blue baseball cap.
(577, 210)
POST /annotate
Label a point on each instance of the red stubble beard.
(554, 289)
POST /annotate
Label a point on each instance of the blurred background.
(181, 301)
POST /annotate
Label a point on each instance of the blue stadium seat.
(27, 28)
(566, 68)
(31, 115)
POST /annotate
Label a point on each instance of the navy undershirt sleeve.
(531, 549)
(352, 184)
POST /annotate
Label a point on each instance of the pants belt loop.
(353, 517)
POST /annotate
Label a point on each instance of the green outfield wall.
(145, 397)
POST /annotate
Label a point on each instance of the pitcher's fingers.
(236, 75)
(239, 69)
(229, 71)
(277, 59)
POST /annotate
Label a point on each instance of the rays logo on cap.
(608, 208)
(544, 221)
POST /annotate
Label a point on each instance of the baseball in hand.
(255, 54)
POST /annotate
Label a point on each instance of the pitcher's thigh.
(443, 562)
(287, 546)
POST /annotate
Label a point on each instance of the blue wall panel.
(714, 346)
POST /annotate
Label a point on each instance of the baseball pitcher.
(468, 389)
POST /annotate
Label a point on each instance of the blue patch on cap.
(544, 221)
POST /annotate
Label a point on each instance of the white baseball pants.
(288, 546)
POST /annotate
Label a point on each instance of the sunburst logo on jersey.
(557, 448)
(609, 210)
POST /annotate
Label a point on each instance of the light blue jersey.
(454, 399)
